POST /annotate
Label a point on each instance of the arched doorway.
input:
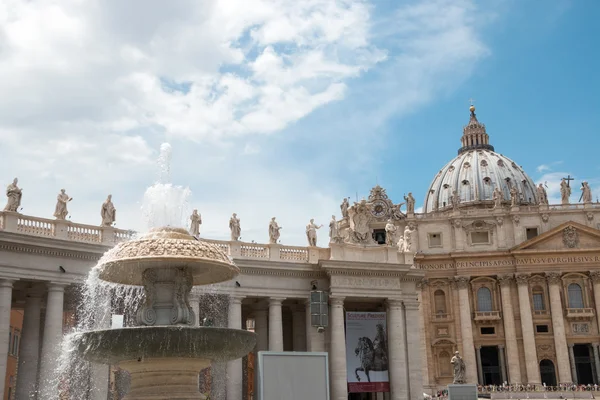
(548, 372)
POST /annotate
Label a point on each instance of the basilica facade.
(488, 268)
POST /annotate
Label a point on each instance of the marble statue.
(344, 207)
(565, 191)
(400, 244)
(497, 197)
(311, 232)
(410, 203)
(234, 226)
(108, 212)
(542, 195)
(274, 229)
(334, 234)
(196, 221)
(14, 194)
(514, 197)
(586, 193)
(390, 232)
(455, 199)
(409, 246)
(459, 371)
(60, 211)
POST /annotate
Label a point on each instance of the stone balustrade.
(487, 315)
(67, 230)
(60, 229)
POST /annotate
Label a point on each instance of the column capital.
(56, 286)
(595, 276)
(570, 345)
(522, 279)
(8, 283)
(276, 301)
(393, 304)
(336, 301)
(478, 347)
(505, 279)
(553, 277)
(462, 282)
(411, 305)
(236, 299)
(501, 346)
(423, 283)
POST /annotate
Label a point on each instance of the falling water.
(165, 204)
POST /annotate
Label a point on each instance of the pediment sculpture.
(360, 217)
(381, 207)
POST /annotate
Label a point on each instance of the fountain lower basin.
(164, 361)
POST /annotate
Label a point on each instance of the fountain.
(166, 351)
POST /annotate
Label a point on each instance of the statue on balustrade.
(497, 196)
(334, 233)
(514, 197)
(235, 227)
(410, 203)
(14, 193)
(565, 191)
(344, 207)
(108, 212)
(60, 211)
(311, 232)
(586, 193)
(274, 229)
(542, 195)
(459, 369)
(390, 233)
(196, 221)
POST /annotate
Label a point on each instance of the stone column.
(29, 350)
(315, 341)
(298, 329)
(595, 276)
(398, 370)
(479, 366)
(572, 363)
(596, 360)
(261, 328)
(510, 333)
(558, 326)
(466, 328)
(275, 325)
(501, 357)
(234, 367)
(413, 349)
(53, 331)
(339, 387)
(6, 286)
(531, 361)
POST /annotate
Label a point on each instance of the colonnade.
(404, 360)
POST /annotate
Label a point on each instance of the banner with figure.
(366, 352)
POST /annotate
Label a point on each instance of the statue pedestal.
(465, 391)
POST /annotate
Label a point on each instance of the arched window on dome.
(484, 299)
(575, 296)
(484, 163)
(439, 300)
(487, 180)
(500, 163)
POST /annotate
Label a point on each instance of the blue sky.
(280, 108)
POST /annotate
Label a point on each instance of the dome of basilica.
(476, 172)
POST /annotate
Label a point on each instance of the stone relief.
(565, 191)
(108, 212)
(516, 219)
(545, 217)
(196, 221)
(311, 232)
(274, 229)
(580, 328)
(570, 237)
(360, 217)
(60, 211)
(14, 194)
(235, 227)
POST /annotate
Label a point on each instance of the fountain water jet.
(165, 352)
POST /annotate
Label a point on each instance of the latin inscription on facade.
(511, 262)
(365, 282)
(558, 260)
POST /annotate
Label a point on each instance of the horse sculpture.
(371, 358)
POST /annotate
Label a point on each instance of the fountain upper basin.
(113, 346)
(166, 248)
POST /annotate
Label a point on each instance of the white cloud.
(543, 167)
(91, 88)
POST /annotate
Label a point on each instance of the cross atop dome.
(474, 134)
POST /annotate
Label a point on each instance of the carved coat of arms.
(359, 227)
(570, 237)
